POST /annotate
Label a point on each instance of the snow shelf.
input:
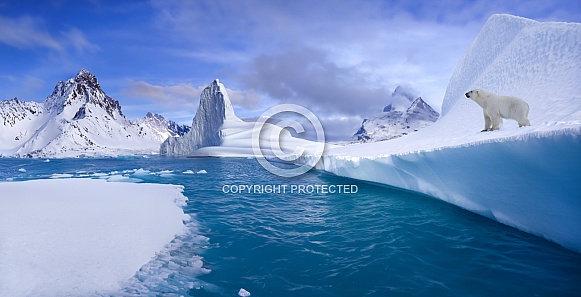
(80, 237)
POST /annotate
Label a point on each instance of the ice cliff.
(527, 177)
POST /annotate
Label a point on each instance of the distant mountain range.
(405, 114)
(77, 119)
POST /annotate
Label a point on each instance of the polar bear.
(496, 107)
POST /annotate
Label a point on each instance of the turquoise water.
(376, 242)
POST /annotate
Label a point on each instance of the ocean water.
(378, 241)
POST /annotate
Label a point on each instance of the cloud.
(185, 95)
(307, 76)
(340, 128)
(181, 95)
(247, 99)
(325, 49)
(26, 32)
(79, 42)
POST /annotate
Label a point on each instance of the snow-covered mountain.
(161, 127)
(398, 118)
(78, 118)
(525, 177)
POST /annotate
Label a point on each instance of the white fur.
(497, 107)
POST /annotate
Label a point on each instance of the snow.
(18, 121)
(523, 177)
(82, 237)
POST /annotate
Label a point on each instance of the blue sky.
(341, 59)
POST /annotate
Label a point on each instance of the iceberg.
(218, 132)
(526, 177)
(214, 110)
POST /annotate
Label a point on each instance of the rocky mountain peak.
(79, 96)
(88, 79)
(150, 116)
(397, 119)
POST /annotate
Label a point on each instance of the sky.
(341, 59)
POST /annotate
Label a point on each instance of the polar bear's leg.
(524, 118)
(487, 123)
(495, 122)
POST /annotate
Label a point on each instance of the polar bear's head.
(479, 96)
(472, 94)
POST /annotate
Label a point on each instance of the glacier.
(526, 177)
